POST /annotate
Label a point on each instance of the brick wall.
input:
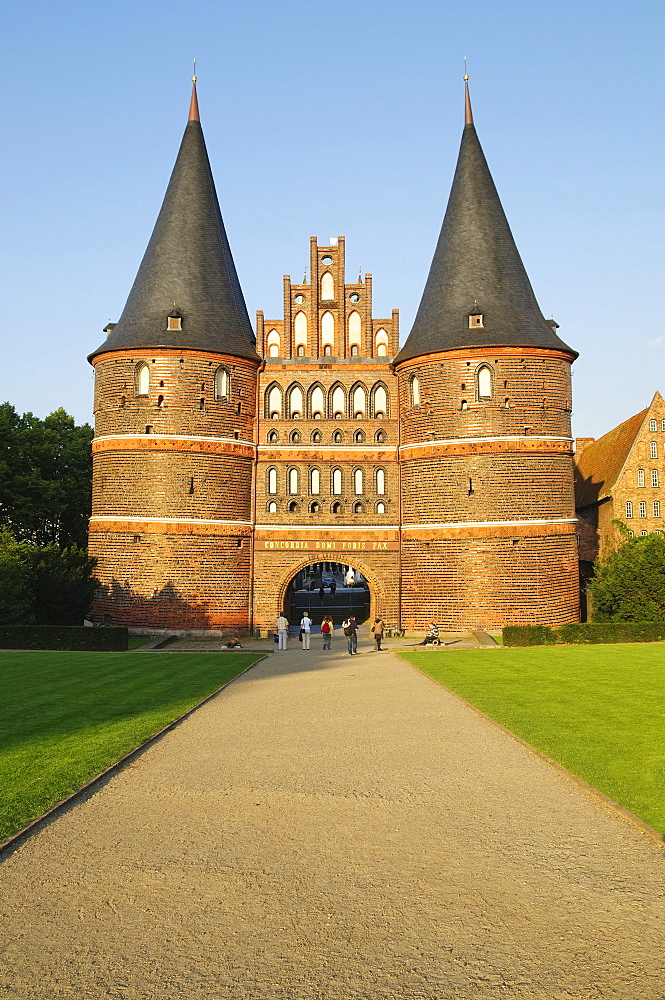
(172, 489)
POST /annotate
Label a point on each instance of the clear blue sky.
(326, 118)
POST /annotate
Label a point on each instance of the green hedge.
(528, 635)
(110, 640)
(581, 632)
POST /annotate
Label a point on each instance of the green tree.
(16, 591)
(45, 477)
(44, 586)
(62, 583)
(629, 585)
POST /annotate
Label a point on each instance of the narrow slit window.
(337, 482)
(293, 480)
(315, 481)
(380, 482)
(272, 480)
(415, 391)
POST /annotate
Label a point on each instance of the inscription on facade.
(324, 545)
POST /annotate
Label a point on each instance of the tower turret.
(175, 401)
(486, 454)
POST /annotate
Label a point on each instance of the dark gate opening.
(327, 588)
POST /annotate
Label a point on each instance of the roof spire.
(194, 104)
(468, 113)
(188, 261)
(477, 270)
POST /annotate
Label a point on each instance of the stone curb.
(7, 847)
(615, 806)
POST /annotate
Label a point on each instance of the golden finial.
(468, 114)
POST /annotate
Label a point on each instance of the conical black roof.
(477, 269)
(188, 263)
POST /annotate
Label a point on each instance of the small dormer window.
(476, 321)
(174, 321)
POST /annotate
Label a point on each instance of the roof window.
(475, 321)
(174, 319)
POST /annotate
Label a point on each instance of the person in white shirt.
(306, 626)
(282, 631)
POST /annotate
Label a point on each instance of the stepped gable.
(187, 269)
(477, 269)
(599, 465)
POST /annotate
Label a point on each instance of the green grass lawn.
(64, 717)
(597, 710)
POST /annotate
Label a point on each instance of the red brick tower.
(175, 401)
(488, 518)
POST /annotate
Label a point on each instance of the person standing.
(321, 593)
(333, 587)
(377, 632)
(306, 628)
(282, 631)
(351, 633)
(326, 631)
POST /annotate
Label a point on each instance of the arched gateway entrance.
(327, 588)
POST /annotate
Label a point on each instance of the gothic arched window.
(142, 380)
(484, 380)
(381, 342)
(300, 331)
(274, 344)
(222, 383)
(358, 482)
(327, 331)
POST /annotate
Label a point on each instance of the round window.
(326, 260)
(355, 297)
(300, 299)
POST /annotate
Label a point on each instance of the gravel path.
(335, 827)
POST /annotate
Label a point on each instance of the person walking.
(333, 587)
(326, 631)
(321, 594)
(282, 631)
(351, 633)
(306, 628)
(377, 632)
